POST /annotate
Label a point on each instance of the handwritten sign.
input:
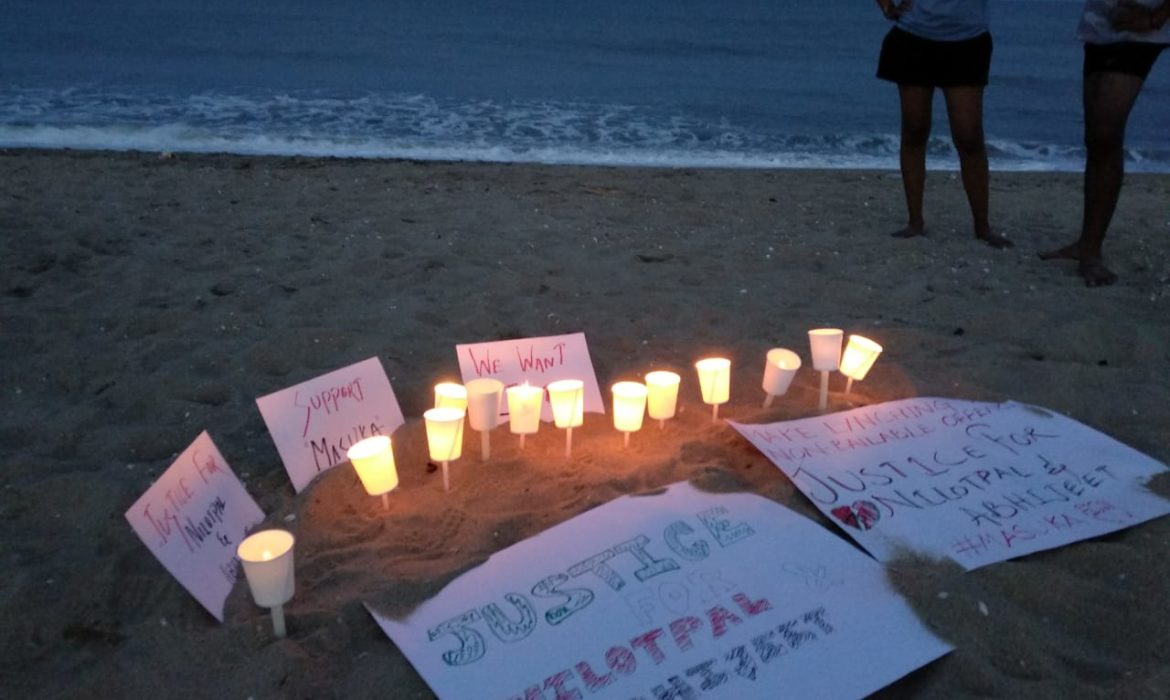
(682, 594)
(537, 361)
(192, 518)
(315, 422)
(975, 482)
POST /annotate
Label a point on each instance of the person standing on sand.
(941, 44)
(1122, 39)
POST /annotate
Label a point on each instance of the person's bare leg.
(965, 113)
(916, 115)
(1108, 99)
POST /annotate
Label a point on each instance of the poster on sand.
(314, 423)
(676, 593)
(192, 519)
(535, 361)
(971, 481)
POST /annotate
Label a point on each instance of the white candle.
(524, 404)
(483, 409)
(714, 382)
(825, 344)
(629, 407)
(450, 395)
(779, 369)
(373, 460)
(860, 354)
(662, 395)
(267, 558)
(444, 437)
(568, 405)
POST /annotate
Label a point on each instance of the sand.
(148, 298)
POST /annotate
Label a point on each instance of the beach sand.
(147, 298)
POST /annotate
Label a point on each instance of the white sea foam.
(419, 127)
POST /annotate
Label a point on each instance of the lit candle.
(373, 460)
(483, 410)
(826, 355)
(444, 437)
(779, 369)
(662, 395)
(568, 406)
(524, 404)
(860, 354)
(629, 406)
(267, 557)
(714, 382)
(450, 395)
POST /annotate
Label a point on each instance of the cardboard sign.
(537, 361)
(975, 482)
(193, 518)
(679, 594)
(315, 422)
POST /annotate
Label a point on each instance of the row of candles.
(267, 556)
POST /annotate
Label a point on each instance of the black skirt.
(907, 59)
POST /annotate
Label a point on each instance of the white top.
(945, 20)
(1095, 27)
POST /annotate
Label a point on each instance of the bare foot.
(994, 240)
(1071, 251)
(909, 232)
(1095, 273)
(1092, 269)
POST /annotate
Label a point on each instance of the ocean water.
(726, 83)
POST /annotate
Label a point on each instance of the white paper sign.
(193, 518)
(537, 361)
(315, 422)
(975, 482)
(681, 594)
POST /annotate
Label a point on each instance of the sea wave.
(424, 128)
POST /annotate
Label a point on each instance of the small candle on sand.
(524, 404)
(860, 354)
(629, 407)
(662, 395)
(568, 406)
(267, 558)
(779, 369)
(825, 344)
(714, 382)
(444, 437)
(373, 460)
(483, 410)
(450, 395)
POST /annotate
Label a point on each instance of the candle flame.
(266, 555)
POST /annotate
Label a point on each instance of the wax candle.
(860, 354)
(662, 395)
(373, 460)
(444, 437)
(568, 406)
(450, 395)
(524, 404)
(825, 344)
(780, 367)
(714, 382)
(483, 409)
(629, 407)
(267, 558)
